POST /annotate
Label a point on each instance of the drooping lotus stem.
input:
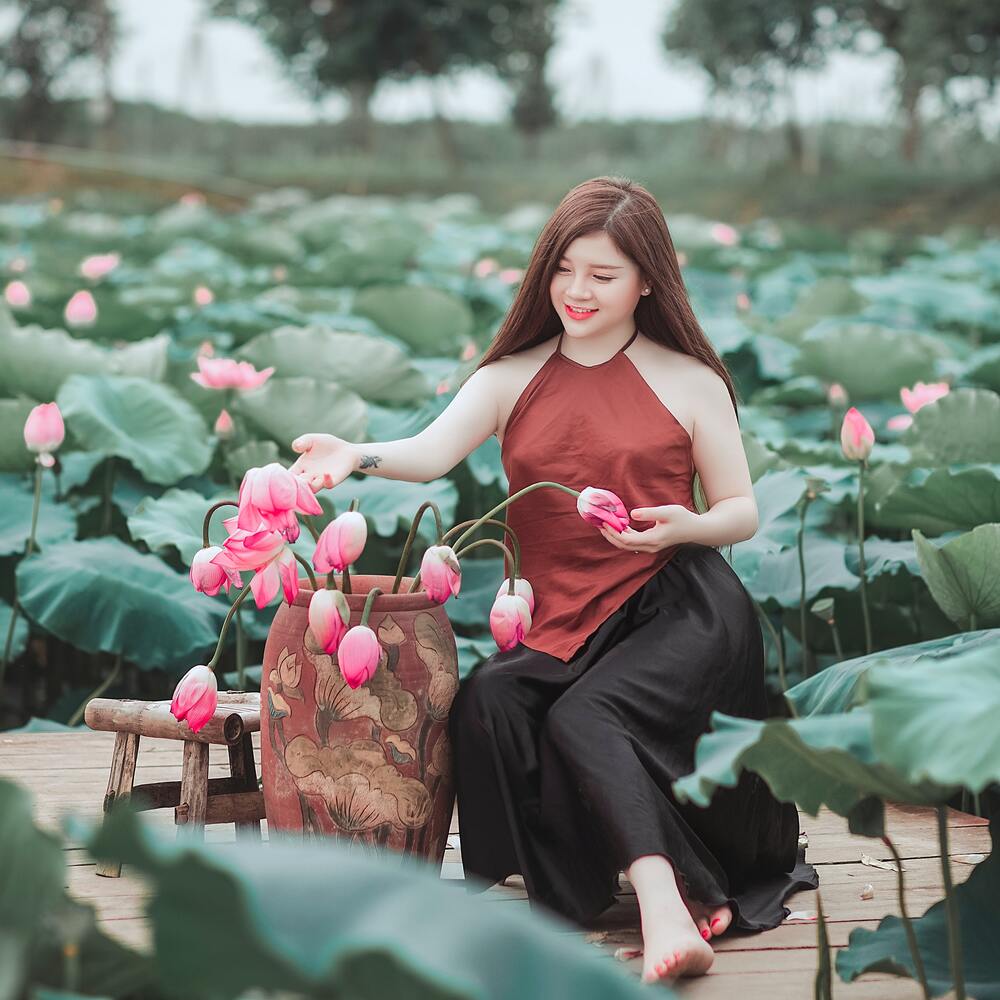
(369, 600)
(514, 540)
(208, 517)
(507, 554)
(308, 569)
(412, 534)
(499, 507)
(217, 655)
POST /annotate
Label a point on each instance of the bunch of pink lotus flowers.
(270, 500)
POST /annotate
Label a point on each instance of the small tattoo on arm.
(370, 461)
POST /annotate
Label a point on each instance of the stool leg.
(244, 772)
(193, 805)
(120, 782)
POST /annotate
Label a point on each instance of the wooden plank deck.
(67, 772)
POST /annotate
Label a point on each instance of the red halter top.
(588, 425)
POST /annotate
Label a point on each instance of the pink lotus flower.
(358, 655)
(511, 275)
(682, 258)
(899, 422)
(469, 351)
(203, 296)
(18, 295)
(484, 267)
(440, 573)
(192, 199)
(742, 301)
(597, 507)
(228, 373)
(522, 589)
(341, 542)
(510, 620)
(856, 436)
(98, 265)
(922, 394)
(206, 349)
(195, 697)
(44, 431)
(836, 395)
(270, 496)
(724, 234)
(81, 310)
(208, 577)
(224, 425)
(266, 553)
(442, 387)
(329, 615)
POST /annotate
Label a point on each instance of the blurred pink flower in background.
(341, 542)
(192, 199)
(836, 395)
(599, 507)
(510, 620)
(724, 234)
(81, 310)
(196, 697)
(18, 295)
(206, 349)
(44, 431)
(743, 301)
(329, 615)
(358, 655)
(224, 425)
(484, 267)
(469, 351)
(914, 399)
(99, 265)
(270, 497)
(856, 436)
(442, 387)
(511, 275)
(440, 573)
(228, 373)
(682, 258)
(203, 296)
(208, 577)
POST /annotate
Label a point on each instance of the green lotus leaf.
(830, 296)
(932, 300)
(887, 949)
(310, 919)
(485, 465)
(822, 760)
(949, 498)
(19, 640)
(145, 422)
(284, 408)
(803, 390)
(175, 520)
(778, 576)
(252, 455)
(870, 361)
(373, 367)
(56, 521)
(962, 575)
(37, 361)
(429, 320)
(935, 721)
(837, 688)
(963, 426)
(101, 595)
(983, 367)
(14, 453)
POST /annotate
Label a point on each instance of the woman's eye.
(600, 277)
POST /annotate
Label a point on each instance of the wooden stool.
(196, 798)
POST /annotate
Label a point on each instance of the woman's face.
(596, 276)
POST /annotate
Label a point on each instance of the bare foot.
(711, 921)
(672, 948)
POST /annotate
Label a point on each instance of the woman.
(566, 746)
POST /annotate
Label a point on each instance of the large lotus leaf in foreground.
(962, 575)
(823, 760)
(144, 422)
(373, 367)
(886, 948)
(103, 595)
(320, 919)
(36, 362)
(837, 688)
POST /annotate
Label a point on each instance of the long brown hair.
(629, 214)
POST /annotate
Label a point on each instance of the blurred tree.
(352, 45)
(940, 43)
(47, 39)
(753, 47)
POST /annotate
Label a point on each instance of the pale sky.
(607, 62)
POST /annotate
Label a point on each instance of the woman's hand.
(325, 460)
(675, 524)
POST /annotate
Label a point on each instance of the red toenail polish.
(717, 920)
(705, 933)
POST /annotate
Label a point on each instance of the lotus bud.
(856, 436)
(81, 310)
(341, 542)
(836, 395)
(99, 265)
(196, 697)
(209, 577)
(224, 427)
(598, 507)
(441, 573)
(510, 620)
(203, 296)
(18, 295)
(358, 655)
(329, 616)
(44, 431)
(522, 588)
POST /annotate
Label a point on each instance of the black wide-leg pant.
(564, 769)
